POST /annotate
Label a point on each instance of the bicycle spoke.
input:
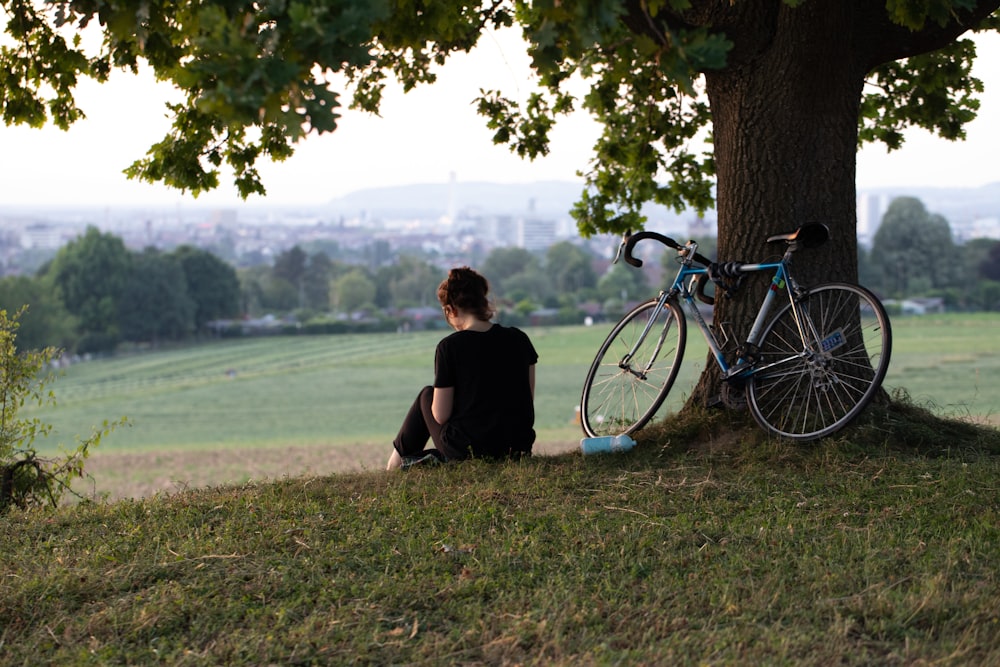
(842, 362)
(622, 392)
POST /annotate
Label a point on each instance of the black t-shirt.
(493, 414)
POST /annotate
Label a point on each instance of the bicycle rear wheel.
(811, 384)
(622, 393)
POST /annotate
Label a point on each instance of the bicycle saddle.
(809, 235)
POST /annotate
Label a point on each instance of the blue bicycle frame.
(683, 286)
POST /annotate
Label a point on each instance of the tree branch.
(891, 41)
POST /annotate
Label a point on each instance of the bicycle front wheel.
(820, 362)
(634, 369)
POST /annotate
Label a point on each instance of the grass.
(949, 363)
(235, 411)
(706, 545)
(351, 390)
(308, 390)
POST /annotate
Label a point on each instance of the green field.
(356, 388)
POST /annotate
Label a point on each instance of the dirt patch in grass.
(137, 475)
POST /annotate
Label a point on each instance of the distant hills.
(548, 198)
(958, 205)
(556, 198)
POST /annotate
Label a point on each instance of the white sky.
(421, 137)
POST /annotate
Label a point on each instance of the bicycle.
(805, 373)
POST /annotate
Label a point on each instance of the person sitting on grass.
(482, 401)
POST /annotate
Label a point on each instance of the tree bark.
(785, 122)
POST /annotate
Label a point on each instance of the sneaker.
(422, 459)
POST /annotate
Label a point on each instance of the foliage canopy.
(257, 77)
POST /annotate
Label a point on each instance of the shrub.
(27, 479)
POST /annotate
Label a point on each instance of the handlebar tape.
(665, 240)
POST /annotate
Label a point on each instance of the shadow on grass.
(898, 427)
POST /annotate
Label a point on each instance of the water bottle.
(606, 443)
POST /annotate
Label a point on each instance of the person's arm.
(531, 380)
(442, 404)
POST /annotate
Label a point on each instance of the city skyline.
(426, 136)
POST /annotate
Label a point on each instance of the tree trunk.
(785, 123)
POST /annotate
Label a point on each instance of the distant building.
(500, 230)
(918, 306)
(871, 208)
(41, 235)
(226, 217)
(535, 233)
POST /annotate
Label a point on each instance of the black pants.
(418, 427)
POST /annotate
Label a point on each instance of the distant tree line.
(96, 294)
(913, 254)
(313, 288)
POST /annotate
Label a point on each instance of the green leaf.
(934, 91)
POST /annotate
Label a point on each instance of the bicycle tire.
(802, 394)
(618, 398)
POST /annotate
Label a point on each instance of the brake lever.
(621, 247)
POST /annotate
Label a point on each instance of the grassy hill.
(707, 544)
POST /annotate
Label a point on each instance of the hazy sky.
(421, 137)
